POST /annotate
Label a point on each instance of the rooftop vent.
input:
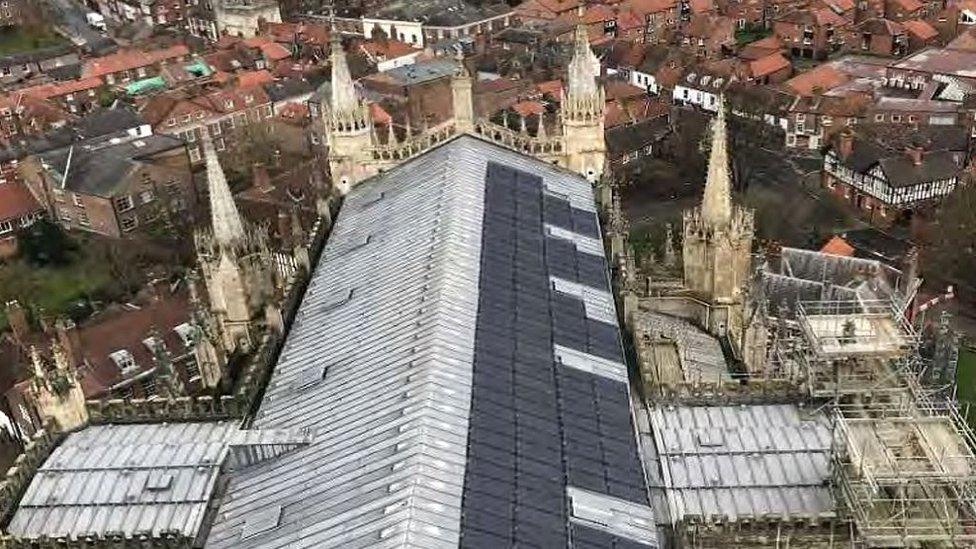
(262, 521)
(159, 481)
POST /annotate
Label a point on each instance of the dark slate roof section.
(537, 426)
(935, 166)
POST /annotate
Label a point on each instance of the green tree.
(950, 254)
(45, 244)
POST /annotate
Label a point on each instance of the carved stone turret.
(463, 99)
(582, 112)
(55, 389)
(349, 126)
(717, 239)
(235, 262)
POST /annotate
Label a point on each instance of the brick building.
(421, 88)
(882, 37)
(126, 65)
(115, 352)
(216, 112)
(19, 208)
(812, 33)
(115, 185)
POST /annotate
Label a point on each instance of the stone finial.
(344, 98)
(717, 201)
(584, 66)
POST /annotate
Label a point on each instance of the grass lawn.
(18, 39)
(51, 289)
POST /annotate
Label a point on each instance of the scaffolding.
(903, 468)
(854, 348)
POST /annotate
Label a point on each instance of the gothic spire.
(584, 67)
(717, 203)
(344, 99)
(228, 229)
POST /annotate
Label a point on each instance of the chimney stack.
(915, 153)
(845, 143)
(17, 318)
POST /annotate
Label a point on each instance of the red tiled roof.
(285, 32)
(768, 65)
(249, 79)
(16, 201)
(702, 6)
(771, 42)
(823, 77)
(130, 59)
(910, 6)
(529, 108)
(388, 49)
(270, 49)
(552, 87)
(126, 329)
(920, 29)
(379, 114)
(647, 7)
(46, 91)
(838, 246)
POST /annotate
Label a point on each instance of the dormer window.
(153, 344)
(123, 360)
(186, 332)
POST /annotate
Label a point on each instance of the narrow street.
(70, 19)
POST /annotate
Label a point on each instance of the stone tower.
(235, 262)
(56, 391)
(462, 98)
(582, 112)
(718, 240)
(348, 126)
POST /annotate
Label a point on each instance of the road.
(71, 20)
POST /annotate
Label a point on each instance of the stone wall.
(19, 476)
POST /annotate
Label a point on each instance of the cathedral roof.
(457, 357)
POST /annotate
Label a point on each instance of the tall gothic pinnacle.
(584, 67)
(717, 203)
(228, 229)
(344, 99)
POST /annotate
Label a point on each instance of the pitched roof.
(124, 60)
(768, 65)
(16, 201)
(59, 89)
(529, 108)
(647, 7)
(505, 239)
(910, 6)
(824, 78)
(837, 246)
(936, 165)
(99, 166)
(271, 50)
(920, 29)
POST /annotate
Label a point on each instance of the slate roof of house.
(99, 166)
(457, 360)
(936, 165)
